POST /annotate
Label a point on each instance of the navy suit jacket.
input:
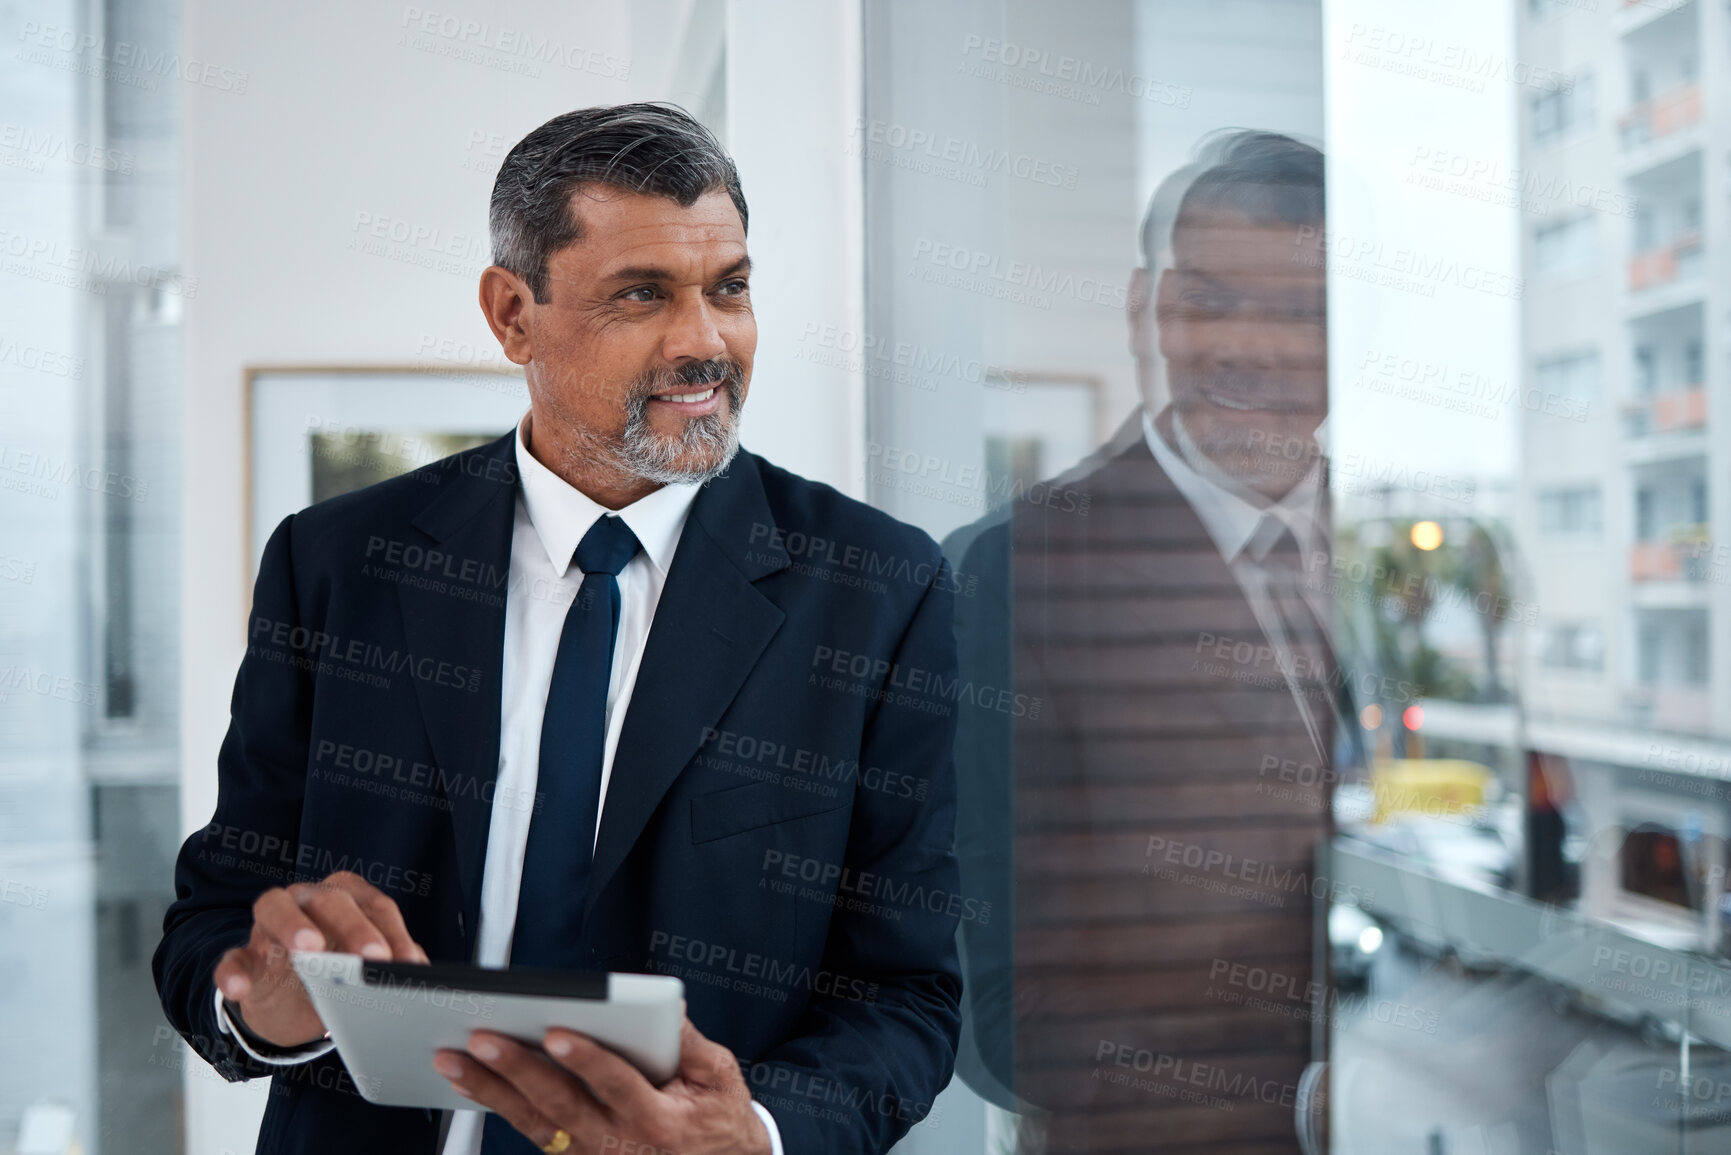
(779, 826)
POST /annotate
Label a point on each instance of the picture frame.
(1048, 421)
(314, 431)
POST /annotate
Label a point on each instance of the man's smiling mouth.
(688, 397)
(1226, 402)
(695, 400)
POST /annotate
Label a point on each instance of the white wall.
(48, 951)
(352, 109)
(793, 97)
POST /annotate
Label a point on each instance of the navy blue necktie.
(573, 731)
(549, 928)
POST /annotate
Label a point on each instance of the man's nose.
(1257, 344)
(693, 333)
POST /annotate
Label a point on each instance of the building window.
(1574, 646)
(1695, 658)
(1644, 520)
(1646, 229)
(1565, 247)
(1573, 511)
(1694, 365)
(1646, 371)
(1652, 866)
(1575, 376)
(1559, 113)
(1647, 655)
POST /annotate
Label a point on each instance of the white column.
(793, 99)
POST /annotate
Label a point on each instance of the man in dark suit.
(1153, 828)
(604, 694)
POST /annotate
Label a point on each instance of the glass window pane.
(1519, 578)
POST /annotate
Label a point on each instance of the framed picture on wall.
(1044, 425)
(314, 432)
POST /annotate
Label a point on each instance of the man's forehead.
(625, 231)
(1225, 240)
(606, 213)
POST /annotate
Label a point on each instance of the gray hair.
(653, 148)
(1267, 176)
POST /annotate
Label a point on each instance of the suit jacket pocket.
(757, 804)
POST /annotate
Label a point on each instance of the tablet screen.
(532, 981)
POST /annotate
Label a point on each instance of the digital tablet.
(387, 1019)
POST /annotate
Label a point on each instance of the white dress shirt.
(1244, 526)
(551, 518)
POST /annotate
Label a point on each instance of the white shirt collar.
(562, 514)
(1232, 514)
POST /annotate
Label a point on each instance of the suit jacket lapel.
(710, 628)
(471, 518)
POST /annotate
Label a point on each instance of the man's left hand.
(603, 1103)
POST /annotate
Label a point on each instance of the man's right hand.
(342, 913)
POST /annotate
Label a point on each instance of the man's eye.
(640, 293)
(1203, 301)
(734, 288)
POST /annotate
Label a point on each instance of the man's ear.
(1137, 302)
(505, 302)
(1165, 322)
(1140, 312)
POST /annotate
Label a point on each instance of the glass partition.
(91, 296)
(1315, 403)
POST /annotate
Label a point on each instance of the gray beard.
(701, 453)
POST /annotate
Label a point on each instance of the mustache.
(1269, 392)
(722, 371)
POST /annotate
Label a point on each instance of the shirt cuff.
(288, 1057)
(769, 1125)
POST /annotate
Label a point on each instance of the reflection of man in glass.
(1240, 322)
(1152, 827)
